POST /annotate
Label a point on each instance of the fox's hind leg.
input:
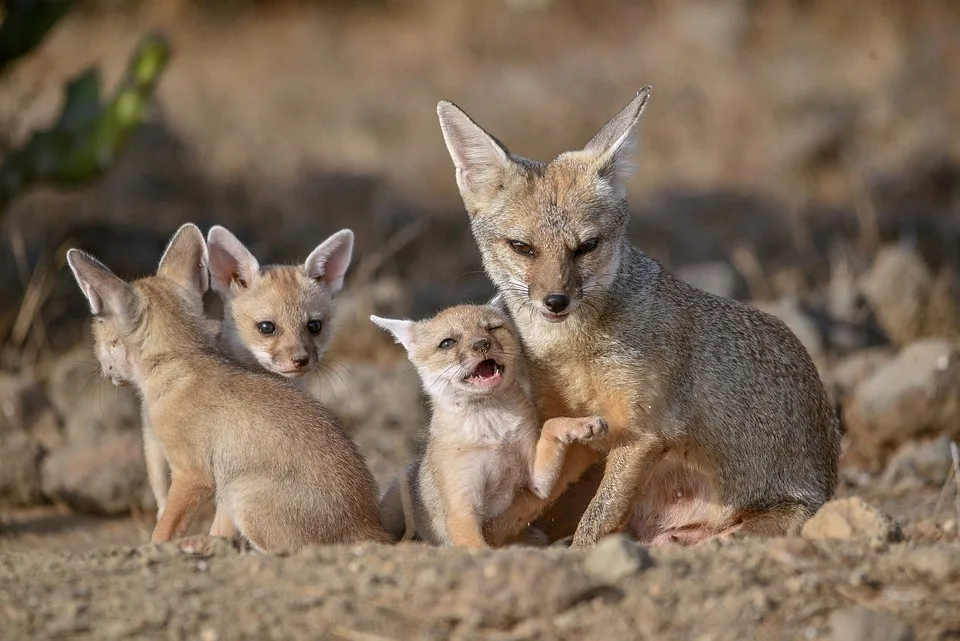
(784, 519)
(222, 524)
(184, 499)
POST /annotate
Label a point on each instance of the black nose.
(481, 345)
(301, 361)
(556, 303)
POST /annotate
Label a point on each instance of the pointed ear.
(402, 330)
(615, 142)
(185, 260)
(231, 263)
(480, 158)
(329, 261)
(107, 294)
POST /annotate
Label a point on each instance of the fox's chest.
(577, 388)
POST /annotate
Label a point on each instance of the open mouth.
(487, 373)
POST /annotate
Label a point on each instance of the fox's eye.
(266, 328)
(521, 247)
(587, 246)
(314, 326)
(447, 343)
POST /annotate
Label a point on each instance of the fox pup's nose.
(556, 303)
(301, 361)
(481, 346)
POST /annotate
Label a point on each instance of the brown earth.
(783, 144)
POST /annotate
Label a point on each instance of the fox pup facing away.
(718, 419)
(484, 441)
(278, 463)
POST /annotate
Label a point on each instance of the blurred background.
(803, 155)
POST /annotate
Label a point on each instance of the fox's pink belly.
(679, 504)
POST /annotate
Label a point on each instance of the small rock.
(938, 563)
(717, 278)
(20, 458)
(616, 557)
(104, 479)
(22, 401)
(908, 300)
(789, 310)
(861, 624)
(920, 463)
(923, 530)
(855, 368)
(917, 392)
(949, 526)
(851, 519)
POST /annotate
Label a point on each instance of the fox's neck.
(229, 341)
(481, 421)
(167, 351)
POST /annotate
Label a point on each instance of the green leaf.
(82, 103)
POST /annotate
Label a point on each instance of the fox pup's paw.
(203, 545)
(584, 430)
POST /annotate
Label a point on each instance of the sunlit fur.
(482, 444)
(717, 414)
(277, 462)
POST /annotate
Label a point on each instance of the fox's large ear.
(185, 260)
(615, 142)
(107, 294)
(402, 330)
(231, 263)
(329, 262)
(480, 159)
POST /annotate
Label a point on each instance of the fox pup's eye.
(447, 343)
(521, 247)
(587, 246)
(266, 328)
(314, 326)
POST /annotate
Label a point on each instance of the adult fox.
(718, 419)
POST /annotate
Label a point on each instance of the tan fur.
(277, 462)
(288, 296)
(718, 419)
(292, 299)
(484, 443)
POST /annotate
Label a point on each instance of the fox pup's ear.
(107, 294)
(185, 260)
(615, 142)
(329, 261)
(402, 330)
(231, 263)
(479, 158)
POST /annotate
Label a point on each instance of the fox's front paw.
(585, 430)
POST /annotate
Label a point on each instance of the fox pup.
(278, 317)
(299, 299)
(277, 461)
(718, 419)
(484, 440)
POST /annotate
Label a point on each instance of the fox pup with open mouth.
(485, 443)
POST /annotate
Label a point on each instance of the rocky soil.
(799, 156)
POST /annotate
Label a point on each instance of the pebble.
(616, 557)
